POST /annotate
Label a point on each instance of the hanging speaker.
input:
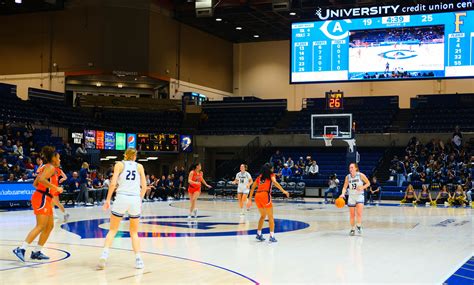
(281, 5)
(204, 8)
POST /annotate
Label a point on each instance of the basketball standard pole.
(352, 155)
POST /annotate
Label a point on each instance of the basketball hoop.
(328, 139)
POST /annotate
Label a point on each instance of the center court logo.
(398, 54)
(179, 226)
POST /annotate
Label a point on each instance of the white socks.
(272, 234)
(24, 245)
(105, 253)
(38, 248)
(259, 232)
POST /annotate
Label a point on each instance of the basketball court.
(220, 247)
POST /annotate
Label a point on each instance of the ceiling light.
(143, 159)
(111, 157)
(292, 14)
(120, 85)
(218, 19)
(103, 158)
(256, 36)
(238, 28)
(18, 1)
(98, 84)
(152, 158)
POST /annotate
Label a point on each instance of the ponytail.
(48, 153)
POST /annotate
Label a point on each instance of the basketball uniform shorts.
(41, 203)
(130, 204)
(243, 190)
(263, 200)
(355, 198)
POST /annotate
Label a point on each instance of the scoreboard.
(158, 142)
(422, 46)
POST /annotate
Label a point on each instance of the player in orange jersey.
(41, 202)
(263, 199)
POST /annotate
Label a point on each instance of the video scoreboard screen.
(422, 46)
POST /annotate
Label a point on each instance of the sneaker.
(195, 213)
(352, 233)
(139, 263)
(66, 217)
(20, 253)
(101, 264)
(260, 237)
(359, 230)
(38, 255)
(272, 239)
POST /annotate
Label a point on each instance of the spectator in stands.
(175, 172)
(277, 158)
(170, 186)
(11, 178)
(83, 197)
(286, 173)
(16, 171)
(290, 162)
(182, 172)
(81, 150)
(398, 168)
(468, 186)
(161, 188)
(374, 191)
(180, 187)
(74, 183)
(313, 170)
(39, 163)
(24, 178)
(18, 149)
(410, 195)
(67, 149)
(8, 147)
(2, 148)
(457, 138)
(99, 190)
(297, 171)
(307, 164)
(301, 163)
(333, 184)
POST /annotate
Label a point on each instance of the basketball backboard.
(339, 125)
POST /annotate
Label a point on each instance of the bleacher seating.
(244, 116)
(441, 113)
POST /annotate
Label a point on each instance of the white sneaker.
(139, 263)
(101, 264)
(195, 213)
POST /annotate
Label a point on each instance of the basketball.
(340, 203)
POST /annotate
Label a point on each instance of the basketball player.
(357, 183)
(263, 199)
(130, 177)
(244, 180)
(41, 202)
(195, 179)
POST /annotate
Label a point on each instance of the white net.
(328, 139)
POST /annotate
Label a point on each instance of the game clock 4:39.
(334, 100)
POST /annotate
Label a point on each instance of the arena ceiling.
(257, 17)
(10, 7)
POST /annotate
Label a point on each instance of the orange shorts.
(41, 204)
(263, 200)
(193, 190)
